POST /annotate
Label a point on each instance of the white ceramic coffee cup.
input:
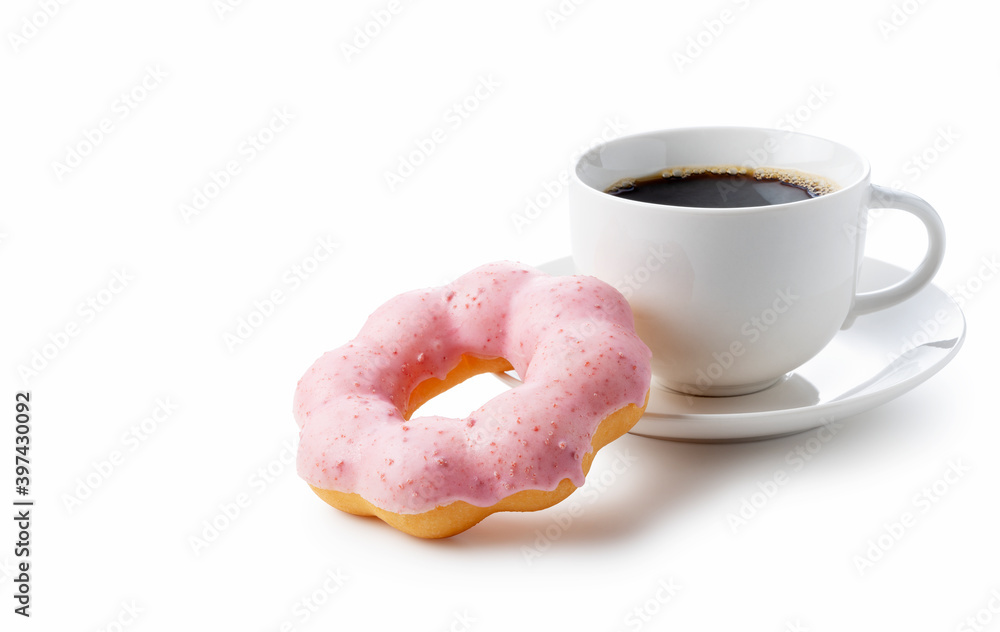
(730, 300)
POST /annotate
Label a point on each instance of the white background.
(561, 75)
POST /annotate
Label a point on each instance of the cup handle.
(882, 197)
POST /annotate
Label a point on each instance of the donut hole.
(466, 384)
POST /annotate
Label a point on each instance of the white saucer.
(882, 356)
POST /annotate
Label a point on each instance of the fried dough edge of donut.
(456, 517)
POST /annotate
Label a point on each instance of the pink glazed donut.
(585, 377)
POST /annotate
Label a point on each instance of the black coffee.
(722, 187)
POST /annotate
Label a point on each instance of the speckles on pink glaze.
(571, 339)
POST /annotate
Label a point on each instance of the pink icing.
(570, 339)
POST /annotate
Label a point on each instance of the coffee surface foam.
(814, 184)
